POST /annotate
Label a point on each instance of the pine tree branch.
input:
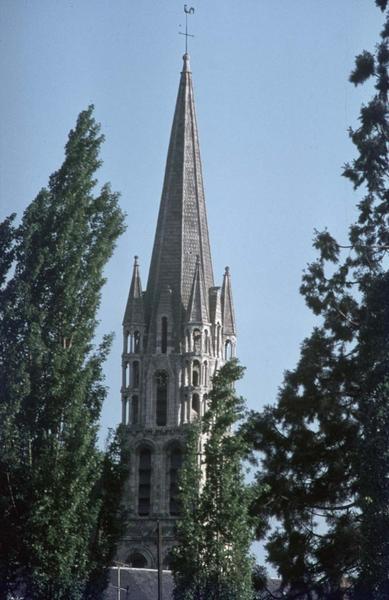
(340, 507)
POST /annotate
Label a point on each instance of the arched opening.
(164, 335)
(175, 466)
(137, 561)
(218, 331)
(196, 373)
(228, 350)
(161, 398)
(196, 405)
(135, 374)
(205, 373)
(205, 403)
(144, 489)
(197, 341)
(137, 340)
(206, 341)
(125, 342)
(135, 410)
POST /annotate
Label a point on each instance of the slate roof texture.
(182, 229)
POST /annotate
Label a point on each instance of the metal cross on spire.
(187, 11)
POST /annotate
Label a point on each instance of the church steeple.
(176, 335)
(182, 229)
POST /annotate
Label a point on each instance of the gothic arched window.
(175, 466)
(125, 342)
(135, 374)
(137, 561)
(144, 488)
(205, 403)
(205, 373)
(196, 405)
(196, 373)
(164, 335)
(197, 341)
(206, 341)
(228, 350)
(161, 398)
(137, 339)
(218, 335)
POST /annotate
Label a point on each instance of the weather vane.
(187, 11)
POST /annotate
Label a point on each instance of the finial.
(186, 63)
(197, 260)
(187, 11)
(136, 263)
(227, 270)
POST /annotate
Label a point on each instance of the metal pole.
(120, 565)
(159, 559)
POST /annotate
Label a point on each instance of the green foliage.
(108, 494)
(51, 378)
(187, 556)
(7, 248)
(212, 558)
(325, 444)
(382, 4)
(373, 449)
(260, 580)
(364, 68)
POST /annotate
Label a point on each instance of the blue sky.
(273, 106)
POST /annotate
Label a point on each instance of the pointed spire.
(134, 313)
(182, 230)
(228, 305)
(197, 308)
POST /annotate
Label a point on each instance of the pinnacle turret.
(197, 308)
(227, 305)
(134, 313)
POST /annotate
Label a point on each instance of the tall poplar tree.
(325, 444)
(212, 561)
(51, 378)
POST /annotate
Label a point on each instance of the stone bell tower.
(176, 333)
